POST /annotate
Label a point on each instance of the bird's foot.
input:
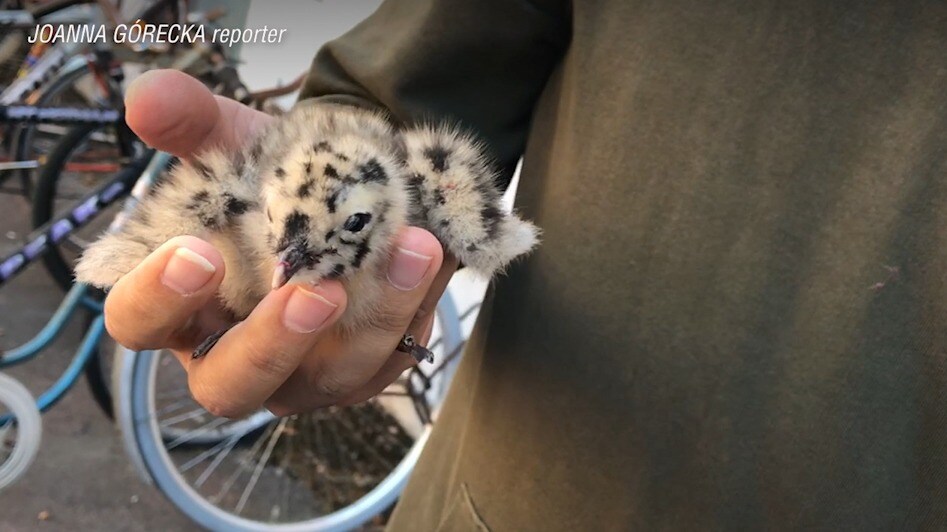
(419, 352)
(209, 343)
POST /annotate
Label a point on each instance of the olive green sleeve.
(480, 63)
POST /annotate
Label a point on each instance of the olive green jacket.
(736, 320)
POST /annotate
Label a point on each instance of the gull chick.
(321, 194)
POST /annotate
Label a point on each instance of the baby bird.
(321, 194)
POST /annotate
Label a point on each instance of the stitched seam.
(481, 524)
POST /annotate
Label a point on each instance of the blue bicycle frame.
(75, 300)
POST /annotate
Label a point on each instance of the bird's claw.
(419, 352)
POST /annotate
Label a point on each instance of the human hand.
(287, 355)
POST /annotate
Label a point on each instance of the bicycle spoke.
(177, 392)
(232, 442)
(177, 405)
(284, 470)
(188, 436)
(208, 453)
(259, 466)
(242, 467)
(466, 314)
(436, 343)
(5, 429)
(193, 414)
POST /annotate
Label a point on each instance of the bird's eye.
(357, 222)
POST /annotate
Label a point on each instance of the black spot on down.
(305, 189)
(360, 254)
(372, 172)
(235, 206)
(337, 271)
(320, 147)
(438, 157)
(331, 202)
(490, 216)
(295, 227)
(204, 170)
(198, 200)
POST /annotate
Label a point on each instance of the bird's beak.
(289, 262)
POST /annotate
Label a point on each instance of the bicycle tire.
(15, 397)
(137, 420)
(98, 378)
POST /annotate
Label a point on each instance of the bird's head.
(332, 207)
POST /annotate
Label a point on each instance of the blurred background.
(120, 445)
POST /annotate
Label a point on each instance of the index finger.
(153, 306)
(256, 356)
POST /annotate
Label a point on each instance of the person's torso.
(738, 315)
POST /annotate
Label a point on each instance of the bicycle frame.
(72, 302)
(57, 230)
(30, 114)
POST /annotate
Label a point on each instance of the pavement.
(81, 479)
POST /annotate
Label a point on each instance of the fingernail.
(407, 268)
(306, 310)
(187, 272)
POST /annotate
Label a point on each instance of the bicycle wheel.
(20, 430)
(82, 159)
(334, 469)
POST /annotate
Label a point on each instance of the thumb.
(176, 113)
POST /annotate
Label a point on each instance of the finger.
(152, 306)
(256, 356)
(176, 113)
(344, 364)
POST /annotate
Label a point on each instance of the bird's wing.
(455, 196)
(202, 196)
